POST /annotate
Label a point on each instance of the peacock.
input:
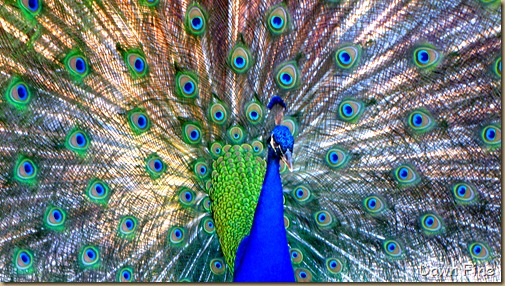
(312, 140)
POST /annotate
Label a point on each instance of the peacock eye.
(497, 67)
(257, 146)
(491, 135)
(323, 219)
(98, 191)
(18, 94)
(426, 57)
(195, 20)
(127, 225)
(176, 235)
(217, 266)
(287, 76)
(464, 193)
(254, 113)
(186, 85)
(236, 134)
(186, 196)
(77, 65)
(393, 249)
(89, 257)
(201, 169)
(406, 175)
(31, 6)
(350, 110)
(374, 205)
(431, 223)
(191, 133)
(296, 255)
(479, 251)
(240, 59)
(139, 121)
(278, 20)
(77, 141)
(125, 275)
(337, 158)
(303, 275)
(23, 260)
(301, 194)
(334, 265)
(55, 218)
(155, 167)
(218, 113)
(25, 170)
(421, 121)
(208, 225)
(347, 57)
(137, 64)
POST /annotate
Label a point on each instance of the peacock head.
(281, 144)
(281, 140)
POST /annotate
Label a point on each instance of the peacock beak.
(287, 158)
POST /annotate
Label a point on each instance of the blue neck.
(264, 255)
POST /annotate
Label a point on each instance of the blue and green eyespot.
(324, 219)
(25, 170)
(491, 136)
(192, 133)
(427, 57)
(278, 20)
(374, 205)
(125, 274)
(18, 94)
(195, 20)
(77, 140)
(257, 146)
(347, 57)
(98, 192)
(23, 261)
(421, 121)
(301, 194)
(406, 175)
(89, 257)
(393, 249)
(236, 134)
(176, 235)
(287, 76)
(54, 218)
(208, 225)
(186, 85)
(497, 68)
(77, 64)
(201, 169)
(296, 255)
(218, 113)
(350, 110)
(431, 223)
(186, 196)
(127, 226)
(479, 251)
(254, 112)
(136, 62)
(138, 120)
(31, 7)
(464, 193)
(240, 59)
(334, 265)
(303, 275)
(155, 166)
(217, 266)
(337, 158)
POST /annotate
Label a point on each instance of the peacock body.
(134, 138)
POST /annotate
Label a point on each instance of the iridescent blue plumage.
(135, 138)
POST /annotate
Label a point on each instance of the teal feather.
(113, 114)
